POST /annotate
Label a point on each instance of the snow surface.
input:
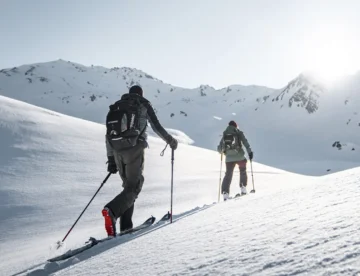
(293, 128)
(51, 165)
(309, 229)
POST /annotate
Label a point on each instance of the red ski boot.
(109, 222)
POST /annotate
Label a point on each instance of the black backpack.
(123, 123)
(231, 141)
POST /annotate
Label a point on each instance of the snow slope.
(293, 225)
(52, 164)
(311, 229)
(305, 127)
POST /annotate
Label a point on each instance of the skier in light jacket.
(231, 145)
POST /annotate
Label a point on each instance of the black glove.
(251, 155)
(111, 165)
(173, 143)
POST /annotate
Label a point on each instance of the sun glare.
(330, 54)
(330, 63)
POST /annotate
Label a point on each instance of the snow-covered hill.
(53, 164)
(305, 127)
(306, 230)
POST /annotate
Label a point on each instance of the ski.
(238, 195)
(166, 217)
(93, 241)
(150, 221)
(146, 224)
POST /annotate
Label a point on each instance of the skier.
(125, 152)
(231, 145)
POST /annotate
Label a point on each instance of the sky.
(185, 42)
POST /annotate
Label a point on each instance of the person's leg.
(107, 212)
(243, 176)
(225, 188)
(126, 219)
(133, 160)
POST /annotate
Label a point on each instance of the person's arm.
(155, 124)
(245, 143)
(221, 146)
(109, 150)
(112, 168)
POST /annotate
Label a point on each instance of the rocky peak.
(205, 88)
(302, 92)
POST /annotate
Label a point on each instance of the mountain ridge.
(301, 113)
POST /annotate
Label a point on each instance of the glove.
(251, 155)
(219, 149)
(173, 143)
(111, 165)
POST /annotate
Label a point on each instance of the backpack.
(231, 141)
(123, 123)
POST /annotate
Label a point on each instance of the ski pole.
(172, 183)
(102, 184)
(172, 179)
(252, 176)
(221, 162)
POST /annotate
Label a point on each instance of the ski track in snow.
(303, 231)
(101, 247)
(309, 230)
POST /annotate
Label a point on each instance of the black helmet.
(136, 89)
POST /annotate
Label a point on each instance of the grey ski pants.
(225, 188)
(130, 163)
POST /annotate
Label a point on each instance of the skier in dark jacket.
(130, 164)
(231, 145)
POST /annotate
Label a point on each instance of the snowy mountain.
(303, 127)
(51, 165)
(301, 92)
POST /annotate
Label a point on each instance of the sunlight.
(330, 54)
